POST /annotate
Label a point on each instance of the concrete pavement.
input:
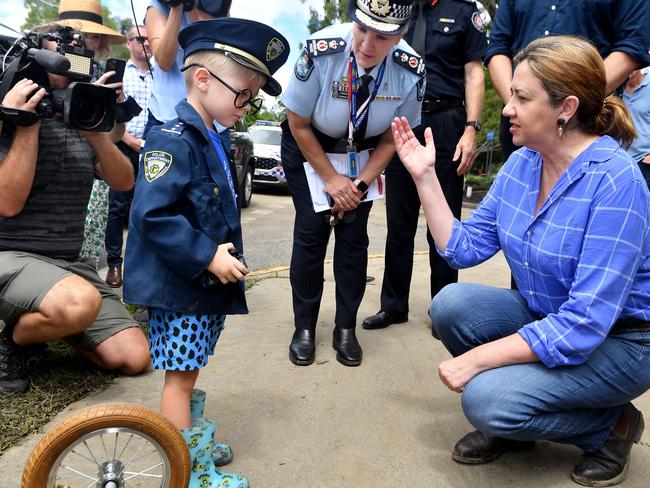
(388, 423)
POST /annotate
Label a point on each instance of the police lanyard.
(357, 116)
(218, 146)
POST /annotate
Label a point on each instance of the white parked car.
(267, 137)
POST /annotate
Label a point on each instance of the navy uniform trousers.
(119, 205)
(311, 234)
(403, 210)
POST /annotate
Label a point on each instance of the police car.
(241, 146)
(266, 140)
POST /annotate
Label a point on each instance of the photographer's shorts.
(26, 278)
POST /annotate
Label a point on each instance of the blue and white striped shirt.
(582, 262)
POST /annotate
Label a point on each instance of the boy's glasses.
(242, 98)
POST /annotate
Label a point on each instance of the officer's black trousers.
(119, 205)
(403, 208)
(310, 237)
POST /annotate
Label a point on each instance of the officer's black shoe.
(383, 319)
(478, 448)
(302, 350)
(13, 378)
(348, 350)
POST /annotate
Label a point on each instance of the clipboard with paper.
(340, 163)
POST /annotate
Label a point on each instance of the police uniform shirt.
(318, 88)
(455, 35)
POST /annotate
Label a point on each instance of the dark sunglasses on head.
(138, 38)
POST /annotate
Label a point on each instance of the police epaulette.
(177, 128)
(320, 47)
(410, 61)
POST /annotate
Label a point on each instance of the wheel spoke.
(92, 455)
(125, 446)
(155, 451)
(80, 473)
(142, 473)
(115, 445)
(104, 446)
(144, 443)
(82, 456)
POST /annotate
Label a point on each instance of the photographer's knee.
(78, 311)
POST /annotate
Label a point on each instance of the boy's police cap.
(252, 44)
(388, 17)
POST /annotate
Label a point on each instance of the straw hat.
(86, 17)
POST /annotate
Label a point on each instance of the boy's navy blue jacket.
(182, 210)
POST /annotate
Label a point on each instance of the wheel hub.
(111, 474)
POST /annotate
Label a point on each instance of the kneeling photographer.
(53, 131)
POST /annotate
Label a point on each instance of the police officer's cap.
(252, 44)
(384, 16)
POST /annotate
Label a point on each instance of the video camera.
(216, 8)
(84, 106)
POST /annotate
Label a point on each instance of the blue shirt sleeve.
(502, 34)
(157, 215)
(607, 267)
(476, 239)
(632, 25)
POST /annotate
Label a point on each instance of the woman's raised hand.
(419, 160)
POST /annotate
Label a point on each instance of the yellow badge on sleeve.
(156, 164)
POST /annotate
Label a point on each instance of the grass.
(59, 377)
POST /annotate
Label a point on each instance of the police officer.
(451, 35)
(348, 84)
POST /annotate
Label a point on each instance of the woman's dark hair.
(569, 65)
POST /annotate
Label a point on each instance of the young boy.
(183, 257)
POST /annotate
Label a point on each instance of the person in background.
(163, 24)
(85, 16)
(562, 357)
(137, 83)
(637, 99)
(366, 65)
(619, 28)
(451, 37)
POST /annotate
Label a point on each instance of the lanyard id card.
(353, 167)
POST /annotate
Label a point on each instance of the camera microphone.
(51, 61)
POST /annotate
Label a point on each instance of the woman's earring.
(560, 126)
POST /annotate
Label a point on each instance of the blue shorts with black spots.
(181, 341)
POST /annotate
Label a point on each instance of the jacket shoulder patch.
(321, 47)
(412, 62)
(156, 164)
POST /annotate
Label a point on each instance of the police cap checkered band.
(385, 16)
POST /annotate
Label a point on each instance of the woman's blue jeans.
(570, 404)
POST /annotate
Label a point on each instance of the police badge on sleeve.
(156, 164)
(304, 66)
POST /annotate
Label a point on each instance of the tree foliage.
(335, 12)
(41, 12)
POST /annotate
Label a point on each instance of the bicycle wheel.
(110, 446)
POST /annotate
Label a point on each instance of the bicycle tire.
(134, 417)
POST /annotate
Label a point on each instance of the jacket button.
(216, 190)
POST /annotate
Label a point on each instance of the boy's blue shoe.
(221, 453)
(204, 474)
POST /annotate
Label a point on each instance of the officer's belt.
(335, 145)
(630, 325)
(432, 105)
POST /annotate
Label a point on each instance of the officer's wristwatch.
(361, 185)
(473, 123)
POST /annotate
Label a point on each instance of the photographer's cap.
(251, 44)
(85, 16)
(388, 17)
